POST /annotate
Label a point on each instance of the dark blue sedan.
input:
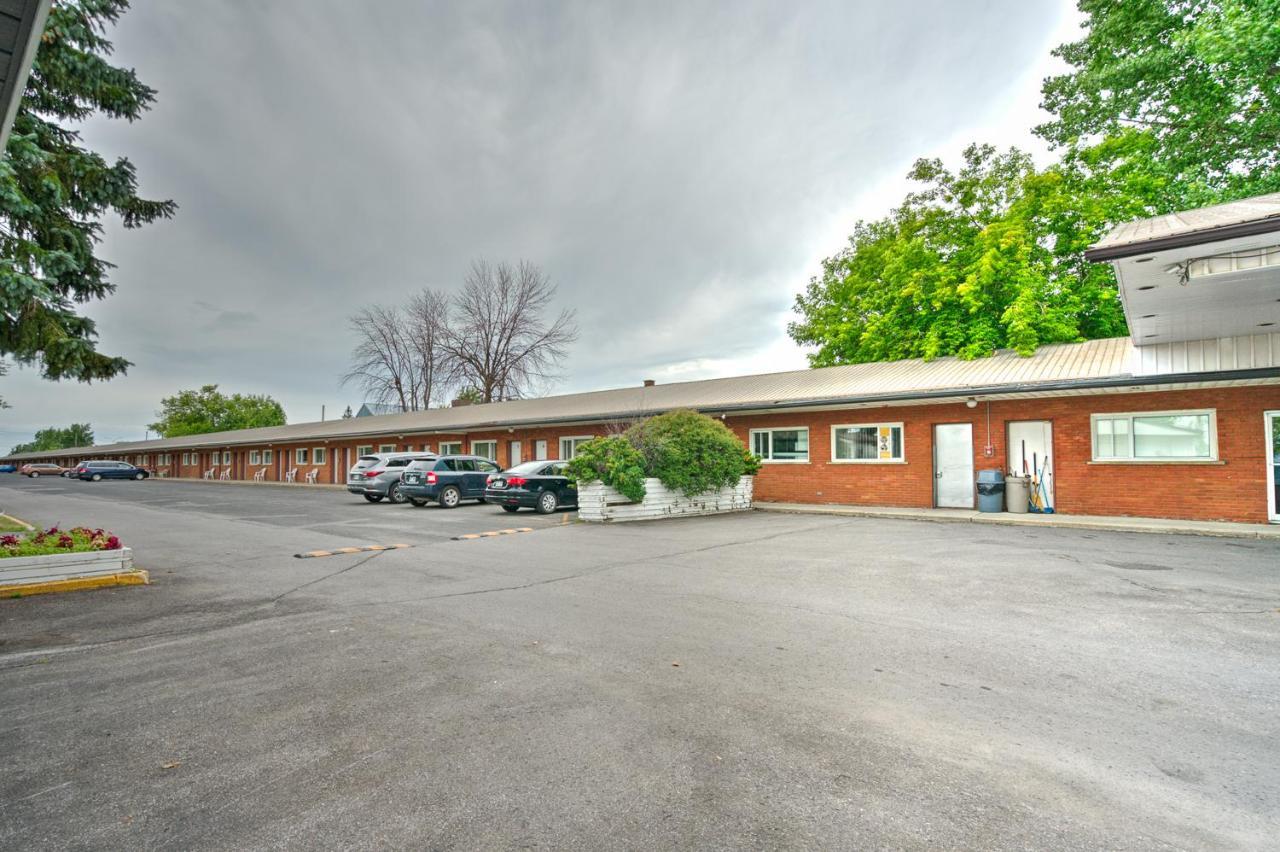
(95, 471)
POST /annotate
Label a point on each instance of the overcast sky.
(678, 169)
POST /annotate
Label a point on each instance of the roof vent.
(649, 383)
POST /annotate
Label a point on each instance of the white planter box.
(64, 566)
(599, 502)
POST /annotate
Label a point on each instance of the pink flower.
(113, 543)
(67, 541)
(9, 541)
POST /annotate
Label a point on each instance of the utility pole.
(322, 414)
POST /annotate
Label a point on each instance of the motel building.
(1179, 420)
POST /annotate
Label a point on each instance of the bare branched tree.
(383, 364)
(427, 317)
(498, 336)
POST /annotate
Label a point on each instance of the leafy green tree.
(196, 412)
(54, 193)
(986, 257)
(1200, 78)
(53, 438)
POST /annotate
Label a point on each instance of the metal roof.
(1052, 365)
(21, 25)
(1249, 216)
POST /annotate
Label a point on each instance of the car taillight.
(372, 473)
(431, 477)
(516, 481)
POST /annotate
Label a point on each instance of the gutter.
(1121, 381)
(1193, 238)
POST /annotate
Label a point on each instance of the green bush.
(691, 452)
(613, 461)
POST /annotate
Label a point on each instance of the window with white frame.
(226, 457)
(186, 459)
(300, 455)
(386, 448)
(867, 442)
(366, 450)
(266, 456)
(781, 445)
(255, 457)
(450, 448)
(569, 446)
(317, 455)
(1156, 436)
(487, 449)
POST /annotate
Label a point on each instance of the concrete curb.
(18, 521)
(137, 577)
(1159, 526)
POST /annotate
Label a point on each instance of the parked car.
(36, 470)
(8, 468)
(94, 471)
(447, 480)
(538, 485)
(377, 475)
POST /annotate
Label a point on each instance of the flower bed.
(52, 559)
(56, 541)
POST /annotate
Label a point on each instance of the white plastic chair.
(311, 476)
(291, 475)
(226, 475)
(260, 475)
(208, 474)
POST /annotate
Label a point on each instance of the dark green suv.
(447, 480)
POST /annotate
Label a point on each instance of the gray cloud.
(678, 169)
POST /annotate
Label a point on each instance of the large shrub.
(613, 461)
(691, 452)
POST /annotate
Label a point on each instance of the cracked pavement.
(759, 680)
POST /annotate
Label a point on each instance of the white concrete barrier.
(598, 502)
(18, 570)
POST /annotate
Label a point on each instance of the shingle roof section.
(899, 380)
(1259, 209)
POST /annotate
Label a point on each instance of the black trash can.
(990, 491)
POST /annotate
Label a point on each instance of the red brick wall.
(1234, 488)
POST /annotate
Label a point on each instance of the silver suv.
(377, 475)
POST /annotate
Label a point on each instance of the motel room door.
(513, 453)
(953, 484)
(1273, 465)
(1032, 440)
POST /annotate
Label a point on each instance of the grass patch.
(9, 525)
(54, 540)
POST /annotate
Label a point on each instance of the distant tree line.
(492, 340)
(54, 438)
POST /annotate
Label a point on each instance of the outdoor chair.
(260, 475)
(311, 476)
(291, 475)
(208, 474)
(226, 475)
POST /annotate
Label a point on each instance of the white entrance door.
(1273, 466)
(1032, 441)
(539, 450)
(953, 465)
(515, 453)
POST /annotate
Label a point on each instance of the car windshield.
(528, 468)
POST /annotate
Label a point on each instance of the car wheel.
(373, 498)
(139, 476)
(450, 497)
(419, 503)
(34, 475)
(547, 502)
(511, 508)
(97, 477)
(394, 495)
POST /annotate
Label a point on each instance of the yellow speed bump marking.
(491, 533)
(343, 551)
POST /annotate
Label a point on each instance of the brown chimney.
(649, 383)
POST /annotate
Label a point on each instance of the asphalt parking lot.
(747, 681)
